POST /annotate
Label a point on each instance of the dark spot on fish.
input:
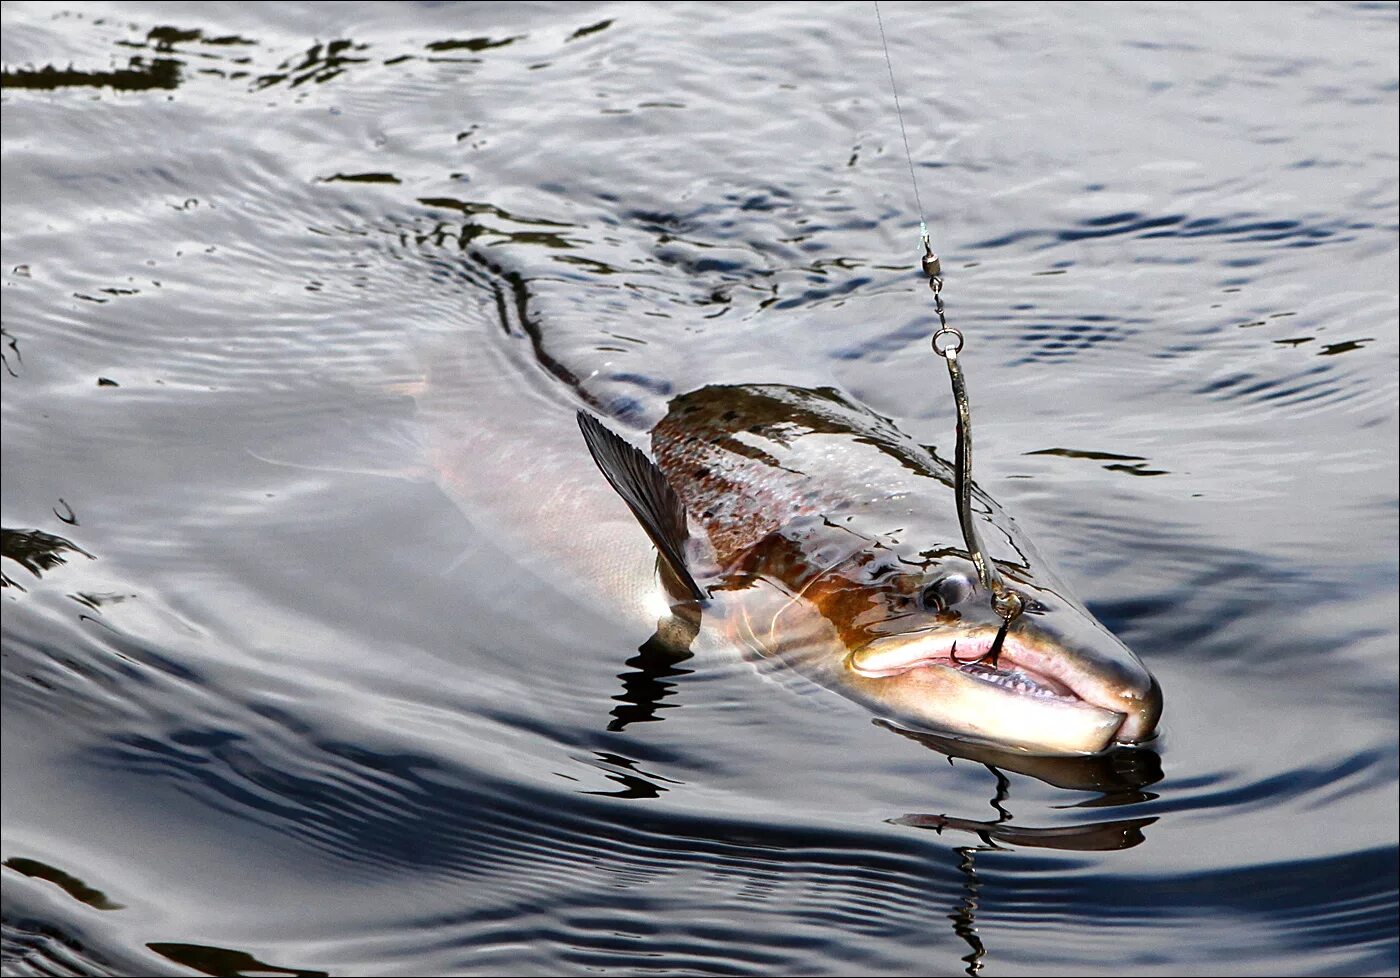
(729, 415)
(709, 514)
(702, 473)
(692, 408)
(755, 429)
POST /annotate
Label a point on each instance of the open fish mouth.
(1015, 669)
(1034, 689)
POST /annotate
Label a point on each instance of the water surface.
(273, 704)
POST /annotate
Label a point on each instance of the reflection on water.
(275, 704)
(644, 688)
(71, 885)
(222, 961)
(1118, 775)
(35, 551)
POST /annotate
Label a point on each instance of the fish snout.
(1143, 710)
(1108, 674)
(1070, 644)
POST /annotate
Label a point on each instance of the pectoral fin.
(646, 492)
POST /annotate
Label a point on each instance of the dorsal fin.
(646, 492)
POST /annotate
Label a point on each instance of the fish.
(812, 532)
(790, 524)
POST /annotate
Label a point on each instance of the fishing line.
(923, 227)
(948, 343)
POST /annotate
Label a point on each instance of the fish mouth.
(1034, 685)
(1015, 670)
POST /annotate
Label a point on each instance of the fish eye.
(945, 592)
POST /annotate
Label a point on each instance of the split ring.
(952, 345)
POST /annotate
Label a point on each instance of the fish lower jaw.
(1014, 705)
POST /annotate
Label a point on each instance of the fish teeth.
(1012, 679)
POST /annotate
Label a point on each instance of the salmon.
(813, 534)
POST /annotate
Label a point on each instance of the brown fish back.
(736, 456)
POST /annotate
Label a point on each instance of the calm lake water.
(275, 704)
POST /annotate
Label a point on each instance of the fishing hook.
(993, 654)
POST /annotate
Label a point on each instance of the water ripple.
(275, 705)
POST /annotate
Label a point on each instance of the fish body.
(814, 534)
(803, 530)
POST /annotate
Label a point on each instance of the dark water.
(272, 718)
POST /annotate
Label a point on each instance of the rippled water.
(274, 704)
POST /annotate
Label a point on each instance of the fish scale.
(744, 462)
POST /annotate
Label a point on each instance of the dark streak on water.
(308, 719)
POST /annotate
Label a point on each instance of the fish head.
(916, 642)
(911, 639)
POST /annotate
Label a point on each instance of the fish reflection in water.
(1118, 777)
